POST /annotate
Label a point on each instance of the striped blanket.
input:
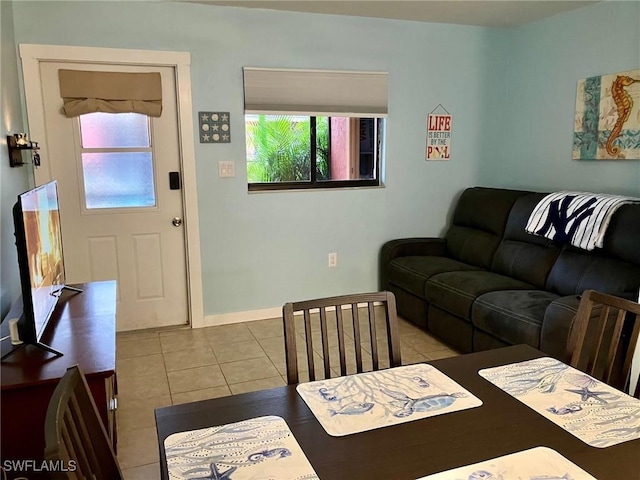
(578, 218)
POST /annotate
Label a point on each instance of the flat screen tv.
(39, 244)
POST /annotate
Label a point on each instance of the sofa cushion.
(623, 234)
(514, 316)
(521, 255)
(478, 224)
(455, 292)
(411, 273)
(613, 269)
(576, 271)
(472, 246)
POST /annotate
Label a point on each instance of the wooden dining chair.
(604, 338)
(344, 329)
(75, 435)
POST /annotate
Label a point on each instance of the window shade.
(310, 92)
(112, 92)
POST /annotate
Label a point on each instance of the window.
(294, 151)
(313, 129)
(117, 160)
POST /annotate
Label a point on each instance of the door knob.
(177, 221)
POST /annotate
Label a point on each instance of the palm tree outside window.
(297, 151)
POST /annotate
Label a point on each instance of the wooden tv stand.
(83, 328)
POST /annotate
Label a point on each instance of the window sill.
(301, 186)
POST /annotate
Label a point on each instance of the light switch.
(226, 169)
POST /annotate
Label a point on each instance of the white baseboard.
(253, 315)
(239, 317)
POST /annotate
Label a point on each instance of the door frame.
(32, 55)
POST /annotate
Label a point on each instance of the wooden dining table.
(502, 425)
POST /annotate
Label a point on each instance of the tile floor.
(168, 367)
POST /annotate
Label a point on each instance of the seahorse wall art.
(607, 119)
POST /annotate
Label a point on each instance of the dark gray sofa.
(488, 283)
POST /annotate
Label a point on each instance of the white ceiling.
(496, 13)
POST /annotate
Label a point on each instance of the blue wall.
(12, 180)
(546, 60)
(511, 93)
(260, 250)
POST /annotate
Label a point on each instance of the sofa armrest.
(557, 326)
(406, 247)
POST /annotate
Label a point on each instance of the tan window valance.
(111, 92)
(315, 92)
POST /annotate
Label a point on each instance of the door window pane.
(114, 130)
(117, 180)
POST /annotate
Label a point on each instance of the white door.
(120, 219)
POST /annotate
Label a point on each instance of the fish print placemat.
(262, 447)
(596, 413)
(357, 403)
(540, 463)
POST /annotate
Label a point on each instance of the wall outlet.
(226, 169)
(333, 260)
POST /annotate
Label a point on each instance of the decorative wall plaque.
(214, 127)
(607, 119)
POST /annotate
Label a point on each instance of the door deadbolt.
(177, 221)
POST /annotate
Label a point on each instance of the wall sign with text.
(439, 135)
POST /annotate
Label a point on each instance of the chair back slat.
(393, 334)
(80, 404)
(357, 336)
(291, 357)
(606, 341)
(80, 473)
(628, 361)
(309, 336)
(374, 337)
(68, 451)
(341, 342)
(594, 353)
(360, 310)
(613, 346)
(325, 342)
(78, 444)
(74, 431)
